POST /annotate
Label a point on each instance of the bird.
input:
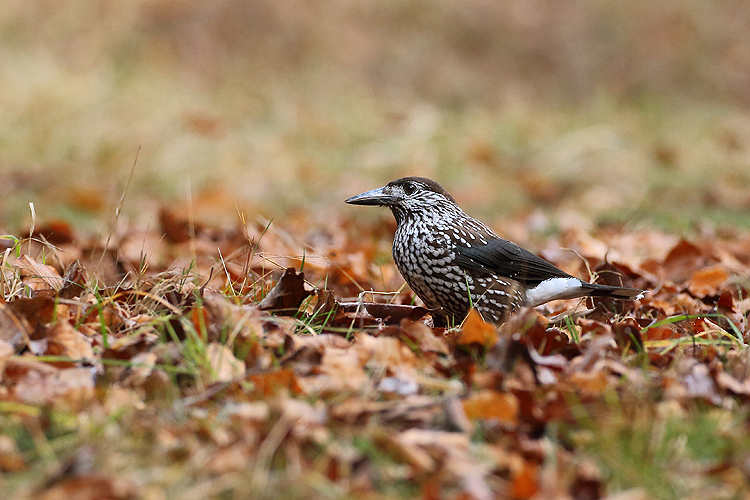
(455, 262)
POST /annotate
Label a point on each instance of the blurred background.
(616, 112)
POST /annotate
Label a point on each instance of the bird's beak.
(373, 197)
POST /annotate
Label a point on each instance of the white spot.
(554, 289)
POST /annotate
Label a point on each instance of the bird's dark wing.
(505, 258)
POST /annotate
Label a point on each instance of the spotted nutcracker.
(453, 261)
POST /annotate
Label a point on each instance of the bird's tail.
(618, 292)
(572, 288)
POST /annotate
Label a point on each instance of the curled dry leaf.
(74, 281)
(395, 313)
(287, 295)
(41, 278)
(382, 314)
(176, 229)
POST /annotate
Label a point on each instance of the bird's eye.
(410, 188)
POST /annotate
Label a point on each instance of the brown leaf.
(592, 383)
(64, 340)
(588, 483)
(287, 295)
(224, 366)
(682, 260)
(395, 313)
(525, 483)
(708, 281)
(384, 352)
(39, 277)
(339, 370)
(727, 382)
(176, 230)
(74, 281)
(424, 336)
(11, 459)
(628, 334)
(130, 346)
(389, 314)
(57, 232)
(268, 384)
(426, 450)
(13, 329)
(477, 331)
(90, 487)
(532, 328)
(489, 404)
(47, 385)
(36, 310)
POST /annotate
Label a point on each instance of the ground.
(189, 309)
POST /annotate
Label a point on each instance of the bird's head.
(407, 196)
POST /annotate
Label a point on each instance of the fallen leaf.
(683, 260)
(64, 340)
(224, 366)
(74, 281)
(40, 278)
(530, 326)
(627, 333)
(476, 331)
(707, 281)
(11, 459)
(525, 483)
(426, 449)
(268, 384)
(37, 310)
(424, 336)
(13, 329)
(72, 386)
(176, 229)
(90, 487)
(57, 232)
(489, 404)
(287, 295)
(590, 383)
